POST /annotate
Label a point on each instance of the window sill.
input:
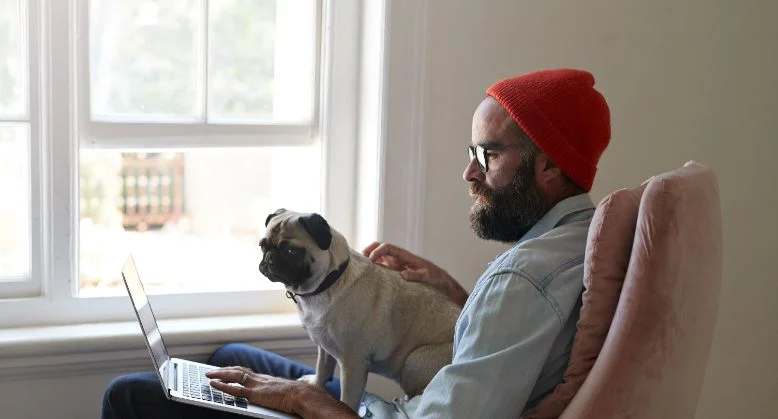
(56, 351)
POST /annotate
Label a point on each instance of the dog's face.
(300, 250)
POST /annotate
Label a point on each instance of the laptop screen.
(145, 316)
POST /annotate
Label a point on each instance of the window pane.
(261, 60)
(13, 88)
(14, 201)
(144, 59)
(192, 220)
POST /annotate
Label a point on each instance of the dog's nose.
(269, 258)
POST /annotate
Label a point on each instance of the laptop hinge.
(164, 372)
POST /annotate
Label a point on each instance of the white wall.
(692, 79)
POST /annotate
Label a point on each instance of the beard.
(508, 213)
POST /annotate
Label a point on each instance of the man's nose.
(472, 172)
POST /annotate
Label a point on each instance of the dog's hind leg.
(353, 378)
(421, 365)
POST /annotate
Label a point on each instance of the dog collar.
(328, 281)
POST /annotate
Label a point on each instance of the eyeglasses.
(481, 154)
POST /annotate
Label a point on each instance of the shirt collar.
(561, 210)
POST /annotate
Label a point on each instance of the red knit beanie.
(563, 114)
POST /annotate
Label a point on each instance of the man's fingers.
(242, 369)
(391, 263)
(402, 255)
(415, 275)
(231, 389)
(369, 249)
(376, 251)
(228, 374)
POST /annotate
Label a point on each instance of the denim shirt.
(513, 338)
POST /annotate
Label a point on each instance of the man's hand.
(295, 397)
(416, 269)
(259, 389)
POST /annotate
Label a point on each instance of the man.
(536, 141)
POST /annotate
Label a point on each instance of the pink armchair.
(642, 348)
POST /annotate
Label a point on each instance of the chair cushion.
(653, 361)
(608, 249)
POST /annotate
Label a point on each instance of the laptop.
(182, 381)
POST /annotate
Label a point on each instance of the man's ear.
(278, 212)
(318, 228)
(547, 173)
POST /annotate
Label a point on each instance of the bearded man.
(536, 142)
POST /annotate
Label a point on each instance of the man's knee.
(119, 388)
(121, 391)
(259, 360)
(232, 354)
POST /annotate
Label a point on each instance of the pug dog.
(362, 315)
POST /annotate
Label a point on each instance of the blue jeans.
(140, 395)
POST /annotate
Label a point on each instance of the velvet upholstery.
(608, 249)
(652, 362)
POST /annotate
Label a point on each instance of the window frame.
(30, 285)
(55, 266)
(188, 133)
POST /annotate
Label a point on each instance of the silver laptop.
(182, 381)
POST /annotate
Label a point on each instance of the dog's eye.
(292, 251)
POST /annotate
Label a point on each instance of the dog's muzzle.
(278, 269)
(266, 266)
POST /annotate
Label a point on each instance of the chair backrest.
(653, 360)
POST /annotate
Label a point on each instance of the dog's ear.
(318, 228)
(278, 211)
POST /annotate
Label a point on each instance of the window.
(18, 151)
(191, 219)
(188, 94)
(169, 130)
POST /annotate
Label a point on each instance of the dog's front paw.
(310, 379)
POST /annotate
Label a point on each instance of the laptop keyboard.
(197, 386)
